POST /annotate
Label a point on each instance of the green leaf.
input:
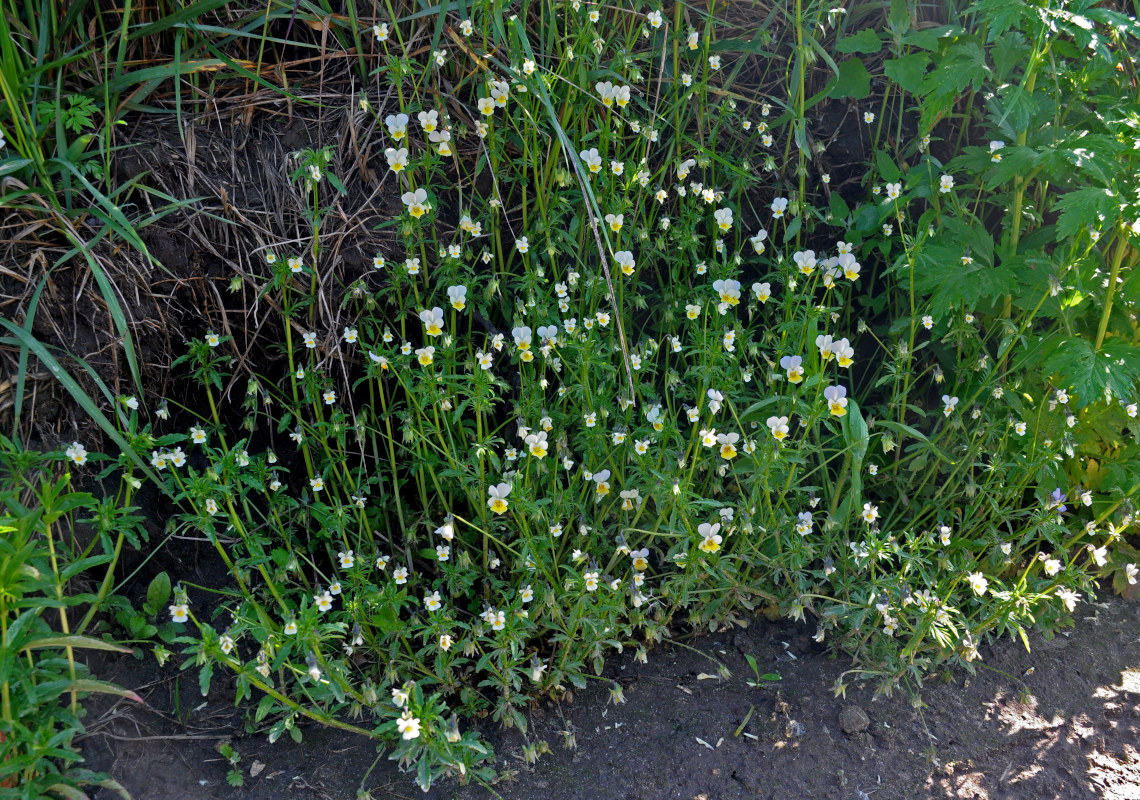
(865, 41)
(204, 676)
(1087, 373)
(852, 81)
(158, 593)
(1084, 207)
(887, 168)
(907, 71)
(73, 640)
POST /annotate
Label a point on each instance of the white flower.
(432, 320)
(416, 202)
(946, 183)
(408, 726)
(836, 397)
(710, 537)
(948, 404)
(868, 117)
(723, 217)
(779, 206)
(593, 159)
(397, 125)
(78, 453)
(180, 612)
(870, 513)
(458, 297)
(497, 497)
(978, 583)
(397, 162)
(1069, 598)
(714, 62)
(779, 427)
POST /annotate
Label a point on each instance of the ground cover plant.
(632, 359)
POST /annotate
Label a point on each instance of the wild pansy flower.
(442, 141)
(615, 221)
(793, 366)
(601, 483)
(836, 397)
(593, 159)
(458, 297)
(870, 513)
(826, 347)
(995, 146)
(180, 612)
(630, 499)
(727, 442)
(432, 320)
(429, 120)
(805, 261)
(728, 291)
(758, 240)
(416, 202)
(536, 444)
(323, 601)
(710, 537)
(804, 523)
(624, 259)
(779, 206)
(945, 183)
(949, 404)
(497, 497)
(723, 217)
(425, 355)
(397, 125)
(849, 265)
(763, 291)
(844, 353)
(523, 338)
(397, 161)
(408, 726)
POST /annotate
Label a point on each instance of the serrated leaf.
(1081, 208)
(907, 71)
(852, 81)
(1087, 373)
(865, 41)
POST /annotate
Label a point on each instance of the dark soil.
(1062, 721)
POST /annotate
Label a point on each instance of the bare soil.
(1061, 721)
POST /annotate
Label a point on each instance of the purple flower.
(1057, 500)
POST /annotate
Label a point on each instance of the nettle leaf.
(865, 41)
(1091, 156)
(852, 81)
(1083, 207)
(907, 71)
(1016, 161)
(1001, 15)
(1087, 373)
(962, 65)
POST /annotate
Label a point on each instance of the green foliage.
(40, 680)
(622, 370)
